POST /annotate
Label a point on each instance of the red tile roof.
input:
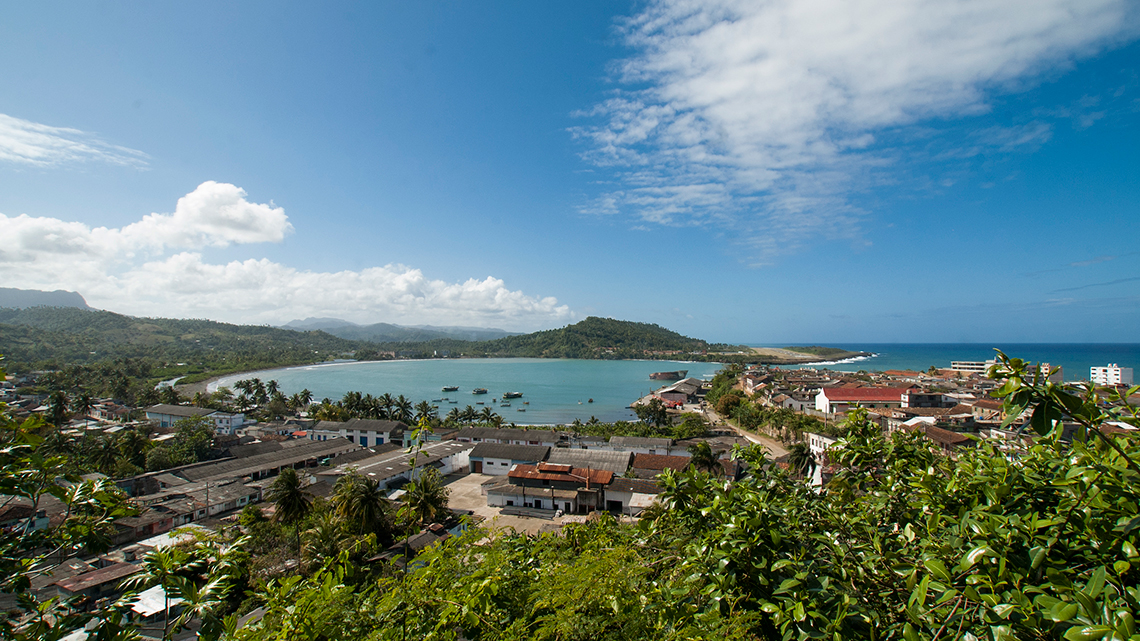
(580, 474)
(660, 462)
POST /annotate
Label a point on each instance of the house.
(837, 400)
(918, 398)
(167, 415)
(96, 584)
(547, 486)
(509, 436)
(647, 466)
(641, 444)
(497, 459)
(392, 468)
(367, 431)
(616, 462)
(631, 496)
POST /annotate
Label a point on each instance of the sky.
(816, 171)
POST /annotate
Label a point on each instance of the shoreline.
(189, 389)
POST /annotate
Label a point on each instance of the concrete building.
(497, 459)
(1111, 374)
(836, 400)
(168, 415)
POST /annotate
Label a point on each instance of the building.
(1112, 374)
(548, 486)
(508, 435)
(168, 415)
(973, 367)
(616, 462)
(497, 459)
(644, 445)
(836, 400)
(392, 468)
(631, 496)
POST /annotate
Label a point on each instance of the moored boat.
(512, 394)
(479, 390)
(669, 376)
(450, 388)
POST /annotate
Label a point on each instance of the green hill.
(47, 337)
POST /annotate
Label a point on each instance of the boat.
(450, 388)
(669, 376)
(504, 404)
(590, 401)
(454, 402)
(512, 394)
(522, 409)
(479, 390)
(526, 402)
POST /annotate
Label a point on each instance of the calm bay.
(555, 390)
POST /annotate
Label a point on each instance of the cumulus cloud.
(138, 269)
(24, 142)
(771, 114)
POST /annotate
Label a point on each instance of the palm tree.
(104, 455)
(800, 460)
(424, 410)
(468, 415)
(306, 397)
(703, 458)
(426, 496)
(57, 409)
(82, 405)
(292, 501)
(486, 415)
(403, 410)
(290, 497)
(167, 567)
(360, 503)
(453, 416)
(386, 404)
(325, 537)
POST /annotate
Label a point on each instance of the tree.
(289, 496)
(800, 460)
(360, 503)
(57, 409)
(403, 410)
(702, 457)
(426, 497)
(652, 412)
(424, 410)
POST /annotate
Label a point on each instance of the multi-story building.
(1112, 374)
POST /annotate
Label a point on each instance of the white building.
(1112, 374)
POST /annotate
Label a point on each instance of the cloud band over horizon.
(133, 270)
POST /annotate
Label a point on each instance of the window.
(503, 464)
(510, 503)
(363, 441)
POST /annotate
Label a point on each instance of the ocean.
(555, 391)
(1075, 358)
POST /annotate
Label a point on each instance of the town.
(531, 479)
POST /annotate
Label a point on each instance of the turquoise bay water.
(552, 387)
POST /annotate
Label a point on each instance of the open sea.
(1075, 358)
(556, 391)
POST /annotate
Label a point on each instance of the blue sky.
(813, 171)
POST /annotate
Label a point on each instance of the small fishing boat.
(512, 394)
(479, 390)
(478, 402)
(450, 388)
(590, 401)
(522, 409)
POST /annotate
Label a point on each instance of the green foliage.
(653, 412)
(902, 544)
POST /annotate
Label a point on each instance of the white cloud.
(767, 114)
(30, 143)
(130, 270)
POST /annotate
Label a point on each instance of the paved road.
(774, 447)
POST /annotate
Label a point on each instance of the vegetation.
(816, 350)
(902, 543)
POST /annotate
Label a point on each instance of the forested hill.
(49, 336)
(591, 338)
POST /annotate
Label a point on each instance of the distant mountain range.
(389, 333)
(23, 298)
